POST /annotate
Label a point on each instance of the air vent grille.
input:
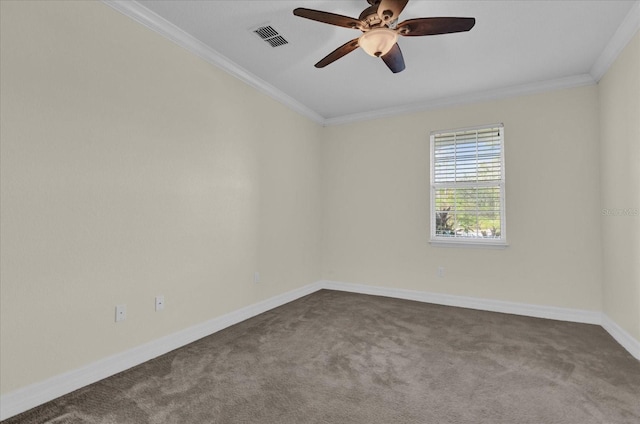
(266, 32)
(270, 35)
(276, 41)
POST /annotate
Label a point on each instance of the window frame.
(444, 241)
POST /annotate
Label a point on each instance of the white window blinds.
(467, 185)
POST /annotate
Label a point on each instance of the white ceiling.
(515, 47)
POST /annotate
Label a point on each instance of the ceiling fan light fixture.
(380, 30)
(378, 41)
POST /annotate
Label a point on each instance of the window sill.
(469, 244)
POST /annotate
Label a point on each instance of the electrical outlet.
(441, 271)
(121, 312)
(256, 277)
(159, 303)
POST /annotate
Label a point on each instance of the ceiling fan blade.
(328, 18)
(434, 26)
(394, 59)
(389, 10)
(338, 53)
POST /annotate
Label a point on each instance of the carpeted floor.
(334, 357)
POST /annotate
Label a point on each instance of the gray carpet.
(334, 357)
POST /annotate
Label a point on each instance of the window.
(467, 186)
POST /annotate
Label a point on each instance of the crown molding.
(625, 32)
(500, 93)
(151, 20)
(155, 22)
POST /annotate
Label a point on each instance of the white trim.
(460, 242)
(538, 311)
(155, 22)
(36, 394)
(501, 93)
(158, 24)
(467, 129)
(625, 339)
(625, 32)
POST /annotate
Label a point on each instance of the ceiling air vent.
(270, 35)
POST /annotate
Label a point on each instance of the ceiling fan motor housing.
(370, 17)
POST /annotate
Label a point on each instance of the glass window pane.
(461, 160)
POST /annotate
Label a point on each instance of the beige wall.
(376, 203)
(131, 168)
(619, 93)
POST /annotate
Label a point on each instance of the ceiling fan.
(380, 28)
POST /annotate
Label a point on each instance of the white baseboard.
(625, 339)
(36, 394)
(538, 311)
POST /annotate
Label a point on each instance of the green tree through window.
(467, 185)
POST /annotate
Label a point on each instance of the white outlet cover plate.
(159, 303)
(121, 312)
